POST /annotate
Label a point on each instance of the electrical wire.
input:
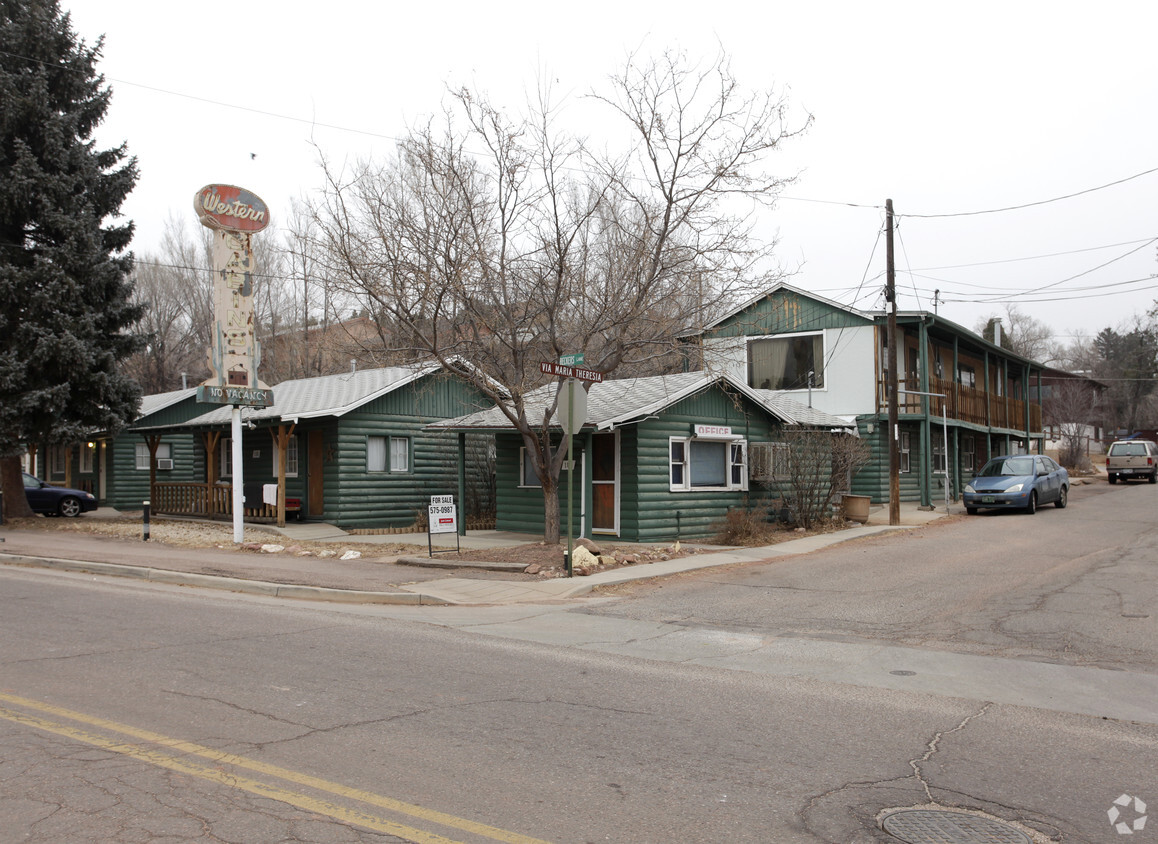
(1033, 204)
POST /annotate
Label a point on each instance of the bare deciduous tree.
(174, 288)
(1023, 335)
(809, 467)
(505, 242)
(1073, 407)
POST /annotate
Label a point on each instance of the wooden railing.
(966, 404)
(205, 500)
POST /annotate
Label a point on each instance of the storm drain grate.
(941, 826)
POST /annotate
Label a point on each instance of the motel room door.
(316, 491)
(605, 483)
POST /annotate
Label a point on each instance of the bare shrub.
(745, 526)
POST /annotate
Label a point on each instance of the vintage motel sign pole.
(234, 215)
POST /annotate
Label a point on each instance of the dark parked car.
(56, 500)
(1018, 481)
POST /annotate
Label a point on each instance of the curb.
(228, 584)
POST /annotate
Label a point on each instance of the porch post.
(925, 476)
(281, 440)
(210, 438)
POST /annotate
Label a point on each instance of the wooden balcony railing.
(966, 404)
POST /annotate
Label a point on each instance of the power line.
(1034, 204)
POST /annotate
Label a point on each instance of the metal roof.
(327, 395)
(628, 400)
(159, 401)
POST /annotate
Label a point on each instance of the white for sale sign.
(442, 515)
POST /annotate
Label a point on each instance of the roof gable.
(784, 309)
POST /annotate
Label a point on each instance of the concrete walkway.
(361, 581)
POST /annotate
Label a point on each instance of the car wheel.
(1153, 478)
(69, 507)
(1062, 499)
(972, 511)
(1031, 507)
(1113, 479)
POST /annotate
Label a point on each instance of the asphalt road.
(1003, 664)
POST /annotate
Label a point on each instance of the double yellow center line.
(149, 747)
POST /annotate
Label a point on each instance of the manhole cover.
(940, 826)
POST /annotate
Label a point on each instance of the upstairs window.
(784, 363)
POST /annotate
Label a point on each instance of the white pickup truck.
(1132, 459)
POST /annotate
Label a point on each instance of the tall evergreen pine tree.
(65, 309)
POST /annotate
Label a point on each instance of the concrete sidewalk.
(376, 582)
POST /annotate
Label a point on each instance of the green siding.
(657, 512)
(357, 498)
(648, 507)
(785, 311)
(126, 486)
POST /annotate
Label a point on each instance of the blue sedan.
(56, 500)
(1018, 482)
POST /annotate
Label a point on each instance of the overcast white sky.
(944, 108)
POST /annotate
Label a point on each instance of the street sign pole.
(570, 469)
(568, 368)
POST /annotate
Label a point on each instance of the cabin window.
(527, 476)
(86, 461)
(226, 458)
(291, 458)
(785, 363)
(387, 454)
(699, 463)
(968, 450)
(904, 452)
(768, 462)
(57, 458)
(142, 455)
(938, 453)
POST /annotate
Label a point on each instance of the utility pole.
(891, 385)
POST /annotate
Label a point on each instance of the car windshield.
(1008, 467)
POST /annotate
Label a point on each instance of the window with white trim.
(387, 454)
(86, 458)
(164, 452)
(701, 463)
(904, 450)
(291, 458)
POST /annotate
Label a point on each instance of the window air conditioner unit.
(165, 463)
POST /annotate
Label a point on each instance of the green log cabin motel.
(355, 448)
(656, 458)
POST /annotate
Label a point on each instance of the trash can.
(855, 508)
